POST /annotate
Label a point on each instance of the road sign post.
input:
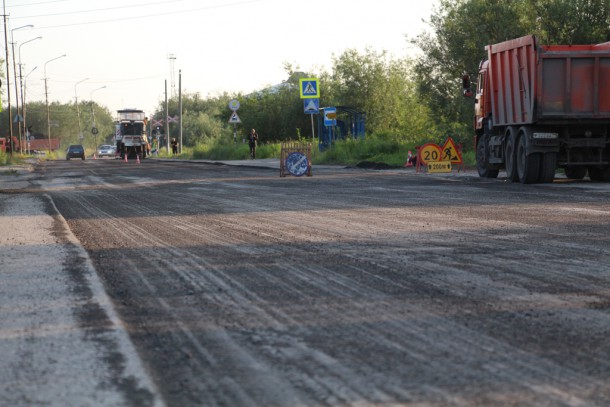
(311, 107)
(309, 89)
(234, 106)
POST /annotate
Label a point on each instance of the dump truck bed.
(545, 84)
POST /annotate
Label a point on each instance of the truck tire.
(528, 166)
(482, 169)
(547, 167)
(510, 157)
(576, 172)
(599, 174)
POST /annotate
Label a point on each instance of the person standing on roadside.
(252, 140)
(174, 146)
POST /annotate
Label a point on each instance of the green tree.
(201, 118)
(64, 122)
(571, 21)
(462, 28)
(382, 87)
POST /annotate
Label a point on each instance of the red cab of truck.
(5, 144)
(540, 107)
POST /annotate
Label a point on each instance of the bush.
(374, 149)
(381, 148)
(8, 159)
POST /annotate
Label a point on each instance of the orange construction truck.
(539, 108)
(5, 144)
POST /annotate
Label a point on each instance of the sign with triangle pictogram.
(450, 152)
(234, 119)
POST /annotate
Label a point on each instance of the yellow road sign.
(439, 166)
(450, 152)
(429, 152)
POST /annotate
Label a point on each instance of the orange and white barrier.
(409, 162)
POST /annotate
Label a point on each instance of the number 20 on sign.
(429, 152)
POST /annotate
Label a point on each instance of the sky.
(121, 53)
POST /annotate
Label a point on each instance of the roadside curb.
(16, 177)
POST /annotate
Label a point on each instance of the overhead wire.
(35, 4)
(102, 9)
(139, 17)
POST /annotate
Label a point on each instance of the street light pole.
(24, 110)
(93, 127)
(46, 97)
(21, 141)
(8, 88)
(80, 131)
(15, 76)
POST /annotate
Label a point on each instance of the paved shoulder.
(60, 339)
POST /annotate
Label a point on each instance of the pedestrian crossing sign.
(309, 88)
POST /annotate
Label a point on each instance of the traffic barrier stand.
(301, 152)
(409, 162)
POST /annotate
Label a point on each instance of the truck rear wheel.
(576, 172)
(528, 166)
(547, 167)
(510, 156)
(599, 174)
(484, 172)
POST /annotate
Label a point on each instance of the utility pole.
(15, 82)
(172, 59)
(46, 98)
(166, 119)
(80, 129)
(8, 87)
(22, 129)
(23, 109)
(180, 105)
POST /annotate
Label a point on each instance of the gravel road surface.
(224, 285)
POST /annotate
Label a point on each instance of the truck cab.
(131, 133)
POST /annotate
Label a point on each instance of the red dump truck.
(5, 144)
(32, 145)
(539, 108)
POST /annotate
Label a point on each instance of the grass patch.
(237, 151)
(8, 159)
(352, 152)
(381, 150)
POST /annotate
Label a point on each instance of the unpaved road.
(351, 287)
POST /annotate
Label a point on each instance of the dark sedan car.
(75, 151)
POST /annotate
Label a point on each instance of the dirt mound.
(374, 166)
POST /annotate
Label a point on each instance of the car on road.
(75, 151)
(106, 150)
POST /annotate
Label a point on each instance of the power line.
(143, 78)
(99, 9)
(35, 4)
(165, 13)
